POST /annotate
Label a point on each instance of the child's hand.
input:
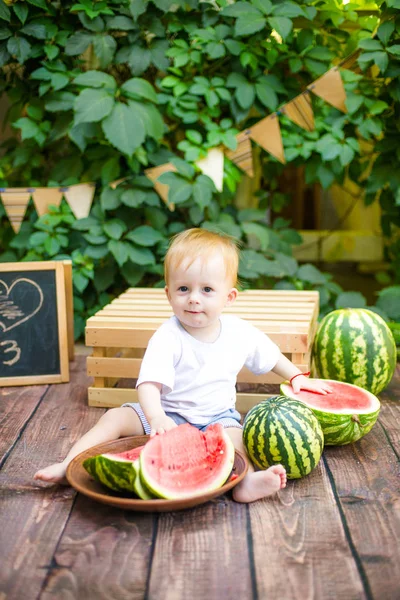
(310, 385)
(161, 425)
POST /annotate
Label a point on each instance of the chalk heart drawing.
(19, 302)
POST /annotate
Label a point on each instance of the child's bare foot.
(53, 474)
(259, 484)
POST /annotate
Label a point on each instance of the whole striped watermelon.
(283, 431)
(345, 415)
(356, 346)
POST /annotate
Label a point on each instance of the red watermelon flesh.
(344, 398)
(128, 454)
(185, 462)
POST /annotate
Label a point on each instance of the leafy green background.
(101, 90)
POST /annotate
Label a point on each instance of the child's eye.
(207, 289)
(183, 288)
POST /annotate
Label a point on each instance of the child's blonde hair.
(201, 243)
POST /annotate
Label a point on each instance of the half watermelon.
(186, 462)
(346, 414)
(115, 471)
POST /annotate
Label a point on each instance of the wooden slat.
(202, 554)
(99, 368)
(18, 404)
(33, 516)
(301, 535)
(110, 397)
(366, 483)
(106, 557)
(108, 335)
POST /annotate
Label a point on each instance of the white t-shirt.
(198, 378)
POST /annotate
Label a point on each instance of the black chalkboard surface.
(33, 322)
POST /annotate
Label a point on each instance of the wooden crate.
(119, 334)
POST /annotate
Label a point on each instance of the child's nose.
(194, 296)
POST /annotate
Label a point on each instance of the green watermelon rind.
(280, 430)
(174, 494)
(139, 487)
(355, 346)
(341, 428)
(115, 473)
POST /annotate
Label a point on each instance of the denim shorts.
(229, 418)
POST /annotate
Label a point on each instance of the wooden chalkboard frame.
(65, 319)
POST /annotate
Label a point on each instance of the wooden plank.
(300, 549)
(104, 553)
(17, 406)
(365, 479)
(99, 368)
(107, 335)
(33, 515)
(110, 397)
(202, 553)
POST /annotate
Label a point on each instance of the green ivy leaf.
(180, 191)
(139, 59)
(257, 235)
(96, 79)
(109, 198)
(310, 274)
(5, 13)
(60, 101)
(21, 10)
(92, 105)
(350, 300)
(245, 94)
(145, 236)
(137, 8)
(138, 88)
(20, 48)
(29, 129)
(115, 228)
(35, 30)
(119, 250)
(267, 96)
(78, 42)
(282, 25)
(140, 256)
(124, 129)
(104, 48)
(249, 23)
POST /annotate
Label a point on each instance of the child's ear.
(166, 291)
(231, 296)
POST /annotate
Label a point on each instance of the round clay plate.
(80, 479)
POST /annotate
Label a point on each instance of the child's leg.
(115, 423)
(256, 484)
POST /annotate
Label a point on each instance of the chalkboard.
(35, 322)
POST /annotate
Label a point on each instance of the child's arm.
(284, 368)
(149, 394)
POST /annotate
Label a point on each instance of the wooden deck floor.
(333, 535)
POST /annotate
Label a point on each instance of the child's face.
(199, 293)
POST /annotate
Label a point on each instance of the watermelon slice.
(186, 462)
(346, 414)
(114, 470)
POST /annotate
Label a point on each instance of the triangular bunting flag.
(330, 88)
(43, 197)
(243, 155)
(299, 110)
(15, 204)
(267, 134)
(80, 198)
(161, 188)
(213, 166)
